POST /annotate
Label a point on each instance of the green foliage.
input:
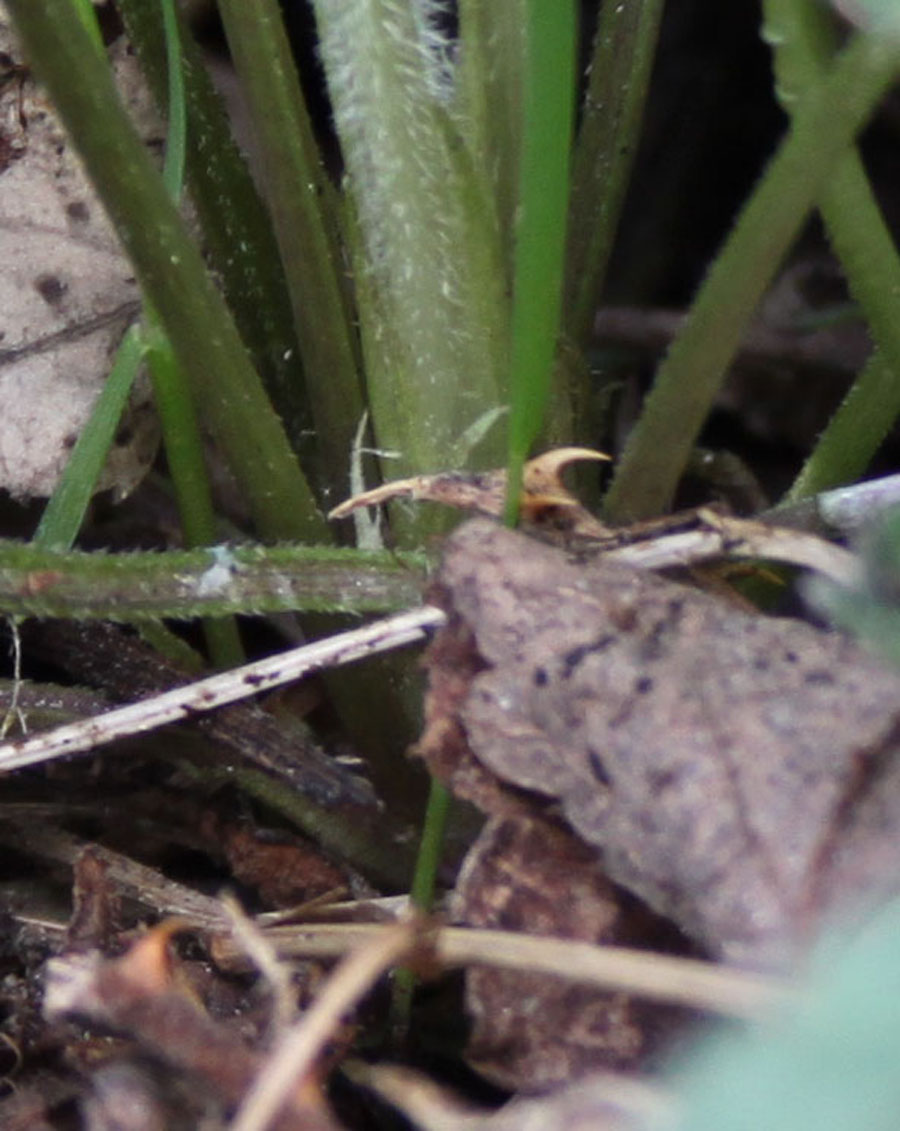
(434, 290)
(426, 289)
(213, 581)
(804, 42)
(830, 1062)
(823, 126)
(540, 229)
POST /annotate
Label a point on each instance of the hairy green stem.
(215, 581)
(824, 125)
(431, 289)
(171, 271)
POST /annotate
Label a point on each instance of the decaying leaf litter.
(642, 750)
(67, 292)
(693, 849)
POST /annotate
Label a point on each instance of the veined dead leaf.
(67, 293)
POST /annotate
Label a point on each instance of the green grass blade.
(171, 271)
(304, 209)
(541, 229)
(803, 39)
(492, 61)
(618, 79)
(176, 133)
(237, 234)
(822, 129)
(65, 510)
(88, 17)
(187, 467)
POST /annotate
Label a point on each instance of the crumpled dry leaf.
(142, 994)
(735, 772)
(531, 1032)
(67, 293)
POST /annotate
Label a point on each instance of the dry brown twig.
(296, 1053)
(679, 981)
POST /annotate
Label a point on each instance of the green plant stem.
(431, 846)
(824, 125)
(184, 453)
(621, 62)
(215, 581)
(181, 431)
(549, 92)
(237, 234)
(491, 77)
(424, 882)
(803, 40)
(855, 432)
(304, 210)
(176, 133)
(433, 313)
(88, 17)
(171, 271)
(64, 513)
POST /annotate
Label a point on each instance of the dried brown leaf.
(713, 758)
(67, 293)
(531, 1032)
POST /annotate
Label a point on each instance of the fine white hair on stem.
(433, 312)
(387, 65)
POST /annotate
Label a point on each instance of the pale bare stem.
(228, 687)
(297, 1052)
(711, 986)
(247, 934)
(719, 536)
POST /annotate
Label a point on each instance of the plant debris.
(545, 504)
(67, 292)
(736, 774)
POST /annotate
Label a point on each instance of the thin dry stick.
(680, 981)
(137, 881)
(227, 687)
(261, 953)
(718, 536)
(296, 1052)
